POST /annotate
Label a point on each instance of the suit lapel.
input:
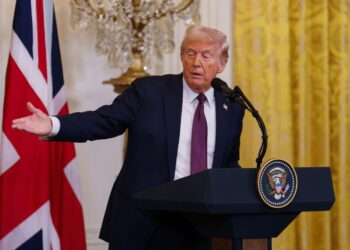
(222, 115)
(173, 108)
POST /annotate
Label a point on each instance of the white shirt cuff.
(55, 128)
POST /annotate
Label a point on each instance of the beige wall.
(100, 161)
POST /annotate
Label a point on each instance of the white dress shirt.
(189, 105)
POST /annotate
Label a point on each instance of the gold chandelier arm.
(184, 4)
(92, 11)
(136, 5)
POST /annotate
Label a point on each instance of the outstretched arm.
(37, 123)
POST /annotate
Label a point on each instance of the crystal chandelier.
(133, 32)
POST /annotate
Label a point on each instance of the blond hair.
(199, 32)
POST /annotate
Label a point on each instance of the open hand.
(37, 123)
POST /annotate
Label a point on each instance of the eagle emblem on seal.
(277, 184)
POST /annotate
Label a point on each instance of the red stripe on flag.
(24, 185)
(67, 217)
(41, 38)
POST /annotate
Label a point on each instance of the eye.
(190, 53)
(207, 55)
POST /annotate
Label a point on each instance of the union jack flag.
(40, 204)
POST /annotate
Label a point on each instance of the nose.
(196, 61)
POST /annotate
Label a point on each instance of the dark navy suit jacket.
(151, 111)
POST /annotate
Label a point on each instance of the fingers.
(33, 125)
(19, 123)
(37, 112)
(32, 109)
(37, 123)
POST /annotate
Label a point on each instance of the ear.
(222, 64)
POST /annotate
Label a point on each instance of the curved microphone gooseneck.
(236, 95)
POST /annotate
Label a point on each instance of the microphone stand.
(238, 96)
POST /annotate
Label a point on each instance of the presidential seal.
(277, 183)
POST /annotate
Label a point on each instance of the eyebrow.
(201, 52)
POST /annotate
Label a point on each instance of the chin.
(198, 86)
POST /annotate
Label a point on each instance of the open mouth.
(196, 75)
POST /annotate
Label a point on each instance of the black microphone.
(236, 95)
(221, 86)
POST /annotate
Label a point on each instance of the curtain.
(292, 60)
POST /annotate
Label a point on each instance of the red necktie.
(199, 138)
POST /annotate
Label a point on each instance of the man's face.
(201, 63)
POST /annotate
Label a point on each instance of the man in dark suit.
(158, 112)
